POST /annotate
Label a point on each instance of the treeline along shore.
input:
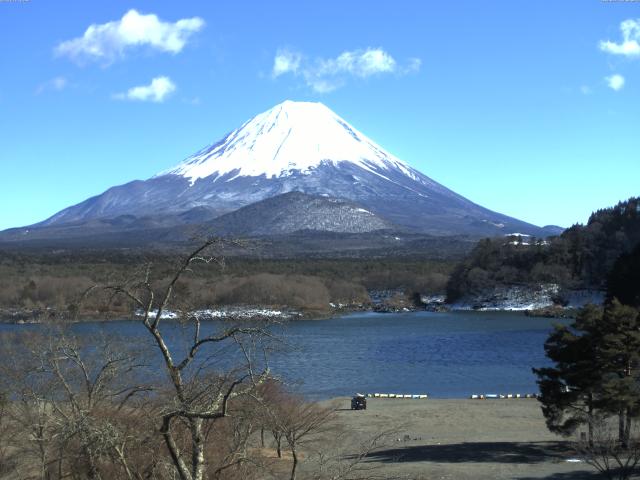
(548, 276)
(36, 286)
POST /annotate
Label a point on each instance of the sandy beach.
(461, 439)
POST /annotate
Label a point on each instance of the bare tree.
(303, 420)
(336, 463)
(294, 420)
(69, 396)
(6, 462)
(200, 394)
(607, 454)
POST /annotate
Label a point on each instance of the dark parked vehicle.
(359, 402)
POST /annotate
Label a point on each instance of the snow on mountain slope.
(296, 211)
(292, 136)
(295, 146)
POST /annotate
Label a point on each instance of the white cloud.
(157, 91)
(109, 41)
(57, 84)
(286, 61)
(361, 63)
(324, 75)
(615, 82)
(630, 45)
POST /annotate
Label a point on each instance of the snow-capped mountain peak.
(290, 137)
(294, 147)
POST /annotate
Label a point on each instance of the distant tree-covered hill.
(581, 257)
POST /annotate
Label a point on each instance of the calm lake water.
(442, 354)
(445, 355)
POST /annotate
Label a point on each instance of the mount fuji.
(293, 147)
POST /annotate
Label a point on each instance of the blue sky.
(528, 108)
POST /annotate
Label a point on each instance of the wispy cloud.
(630, 45)
(361, 63)
(586, 90)
(327, 74)
(615, 82)
(157, 91)
(55, 84)
(109, 41)
(413, 65)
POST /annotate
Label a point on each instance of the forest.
(39, 285)
(583, 256)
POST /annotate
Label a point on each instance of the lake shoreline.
(45, 316)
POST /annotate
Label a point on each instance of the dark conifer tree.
(619, 361)
(569, 390)
(624, 281)
(596, 372)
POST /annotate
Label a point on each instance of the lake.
(445, 355)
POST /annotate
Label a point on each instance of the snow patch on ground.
(580, 298)
(363, 211)
(433, 299)
(517, 298)
(243, 313)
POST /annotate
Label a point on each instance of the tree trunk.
(93, 473)
(621, 425)
(197, 446)
(178, 461)
(627, 430)
(294, 465)
(262, 437)
(590, 425)
(43, 460)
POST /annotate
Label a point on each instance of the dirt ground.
(460, 440)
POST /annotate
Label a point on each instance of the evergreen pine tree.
(596, 372)
(569, 390)
(619, 362)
